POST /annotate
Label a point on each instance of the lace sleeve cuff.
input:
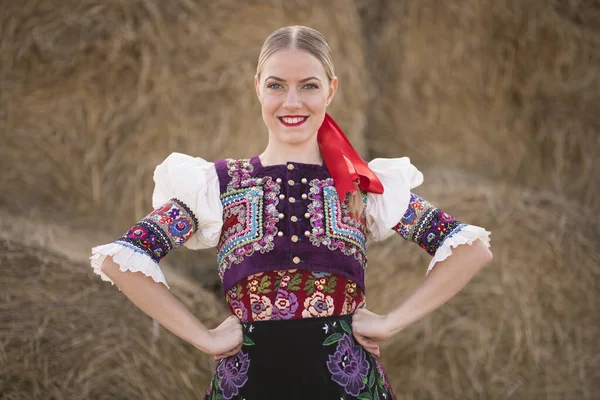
(142, 247)
(464, 234)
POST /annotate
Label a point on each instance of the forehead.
(293, 65)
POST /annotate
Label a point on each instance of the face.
(294, 93)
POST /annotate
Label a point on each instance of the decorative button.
(296, 260)
(259, 181)
(304, 180)
(293, 218)
(281, 216)
(304, 196)
(280, 234)
(282, 196)
(291, 182)
(290, 167)
(278, 180)
(295, 238)
(292, 200)
(307, 233)
(307, 215)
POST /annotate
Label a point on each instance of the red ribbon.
(343, 162)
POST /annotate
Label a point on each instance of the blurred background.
(496, 101)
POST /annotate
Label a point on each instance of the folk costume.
(291, 258)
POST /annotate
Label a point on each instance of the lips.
(293, 120)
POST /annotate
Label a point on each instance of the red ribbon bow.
(343, 162)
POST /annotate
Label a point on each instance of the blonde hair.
(313, 42)
(301, 38)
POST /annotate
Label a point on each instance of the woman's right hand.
(226, 339)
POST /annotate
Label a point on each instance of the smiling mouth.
(292, 121)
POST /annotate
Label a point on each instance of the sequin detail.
(332, 225)
(426, 225)
(246, 228)
(161, 231)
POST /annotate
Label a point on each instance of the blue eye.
(272, 86)
(311, 86)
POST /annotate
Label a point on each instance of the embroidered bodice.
(272, 219)
(285, 216)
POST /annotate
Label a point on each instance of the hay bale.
(95, 94)
(526, 327)
(509, 89)
(67, 334)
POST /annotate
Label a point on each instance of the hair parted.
(297, 37)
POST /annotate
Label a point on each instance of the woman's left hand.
(369, 328)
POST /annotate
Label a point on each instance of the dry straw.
(508, 88)
(65, 334)
(526, 327)
(95, 93)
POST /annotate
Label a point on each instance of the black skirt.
(310, 358)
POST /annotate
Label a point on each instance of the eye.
(311, 86)
(274, 86)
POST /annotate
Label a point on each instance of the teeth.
(292, 120)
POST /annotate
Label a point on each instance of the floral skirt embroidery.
(312, 358)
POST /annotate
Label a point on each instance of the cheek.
(270, 104)
(316, 103)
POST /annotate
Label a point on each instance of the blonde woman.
(290, 228)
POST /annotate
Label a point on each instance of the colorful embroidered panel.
(161, 231)
(426, 225)
(246, 228)
(332, 225)
(293, 294)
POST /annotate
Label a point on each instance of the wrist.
(392, 326)
(202, 340)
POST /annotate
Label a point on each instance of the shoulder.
(396, 172)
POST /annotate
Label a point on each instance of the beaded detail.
(426, 225)
(332, 225)
(245, 228)
(161, 231)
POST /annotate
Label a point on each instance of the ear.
(332, 89)
(256, 85)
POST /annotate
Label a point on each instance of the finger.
(368, 344)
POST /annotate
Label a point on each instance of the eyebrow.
(283, 80)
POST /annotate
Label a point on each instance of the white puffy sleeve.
(187, 211)
(383, 211)
(414, 218)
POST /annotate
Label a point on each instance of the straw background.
(496, 101)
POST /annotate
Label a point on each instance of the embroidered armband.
(426, 225)
(161, 231)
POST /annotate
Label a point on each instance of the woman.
(290, 228)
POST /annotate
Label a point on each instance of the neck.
(279, 153)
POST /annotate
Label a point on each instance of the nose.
(292, 100)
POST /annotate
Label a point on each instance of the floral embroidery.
(286, 304)
(239, 310)
(358, 372)
(318, 305)
(246, 227)
(233, 374)
(349, 366)
(261, 307)
(426, 225)
(290, 294)
(332, 225)
(164, 229)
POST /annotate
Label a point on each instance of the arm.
(444, 281)
(157, 301)
(458, 251)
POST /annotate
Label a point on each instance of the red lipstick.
(293, 120)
